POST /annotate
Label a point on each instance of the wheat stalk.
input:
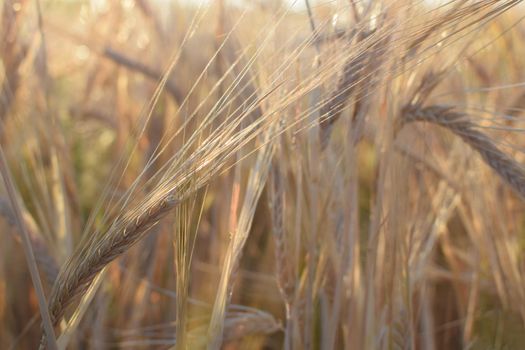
(28, 250)
(46, 262)
(256, 182)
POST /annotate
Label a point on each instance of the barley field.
(262, 174)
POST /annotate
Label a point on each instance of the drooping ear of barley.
(239, 322)
(502, 164)
(123, 233)
(283, 265)
(352, 74)
(83, 268)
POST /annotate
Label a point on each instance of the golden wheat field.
(251, 174)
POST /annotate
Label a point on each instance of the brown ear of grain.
(90, 260)
(501, 163)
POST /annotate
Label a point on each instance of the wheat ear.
(285, 278)
(125, 232)
(506, 167)
(92, 257)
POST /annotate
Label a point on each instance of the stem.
(28, 250)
